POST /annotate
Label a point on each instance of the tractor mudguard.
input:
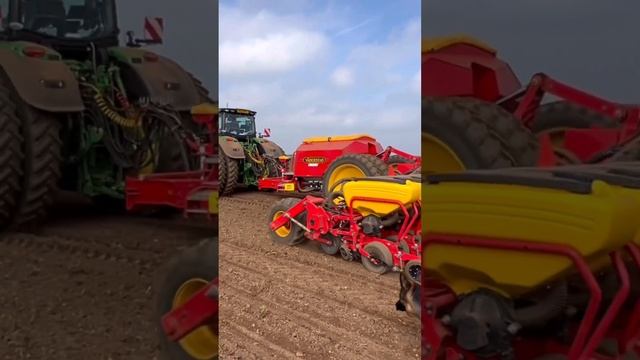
(270, 148)
(147, 74)
(231, 147)
(43, 80)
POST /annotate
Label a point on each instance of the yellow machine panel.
(401, 189)
(593, 223)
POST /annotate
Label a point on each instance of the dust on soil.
(297, 302)
(81, 288)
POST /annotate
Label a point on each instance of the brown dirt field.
(82, 287)
(297, 302)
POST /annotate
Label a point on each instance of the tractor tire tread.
(488, 143)
(512, 134)
(232, 172)
(10, 158)
(41, 166)
(370, 164)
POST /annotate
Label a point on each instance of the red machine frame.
(321, 222)
(437, 342)
(290, 182)
(189, 190)
(468, 69)
(586, 144)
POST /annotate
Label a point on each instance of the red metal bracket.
(197, 311)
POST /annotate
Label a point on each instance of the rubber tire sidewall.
(295, 233)
(198, 261)
(475, 140)
(369, 164)
(386, 254)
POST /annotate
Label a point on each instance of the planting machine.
(82, 113)
(321, 162)
(522, 261)
(374, 219)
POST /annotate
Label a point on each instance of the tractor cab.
(238, 123)
(60, 24)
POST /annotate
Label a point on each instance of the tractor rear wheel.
(11, 156)
(557, 117)
(289, 234)
(382, 260)
(231, 173)
(185, 275)
(461, 133)
(352, 166)
(41, 166)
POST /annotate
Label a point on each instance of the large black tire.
(222, 172)
(231, 174)
(198, 262)
(369, 165)
(291, 234)
(481, 135)
(557, 116)
(11, 156)
(41, 166)
(563, 114)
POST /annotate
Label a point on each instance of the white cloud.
(272, 53)
(342, 77)
(287, 66)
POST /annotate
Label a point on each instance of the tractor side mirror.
(266, 134)
(131, 41)
(136, 43)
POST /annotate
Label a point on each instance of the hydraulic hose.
(106, 110)
(546, 309)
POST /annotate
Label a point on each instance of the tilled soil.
(297, 302)
(81, 288)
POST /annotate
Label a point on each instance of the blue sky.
(313, 68)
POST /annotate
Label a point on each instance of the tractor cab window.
(70, 19)
(238, 125)
(4, 14)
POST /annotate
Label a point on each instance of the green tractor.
(245, 155)
(79, 112)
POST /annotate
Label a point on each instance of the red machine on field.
(375, 220)
(194, 192)
(583, 128)
(539, 270)
(319, 162)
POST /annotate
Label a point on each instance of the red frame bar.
(612, 312)
(523, 246)
(588, 144)
(197, 311)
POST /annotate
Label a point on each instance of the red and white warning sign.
(153, 29)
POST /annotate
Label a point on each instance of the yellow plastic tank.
(590, 215)
(404, 189)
